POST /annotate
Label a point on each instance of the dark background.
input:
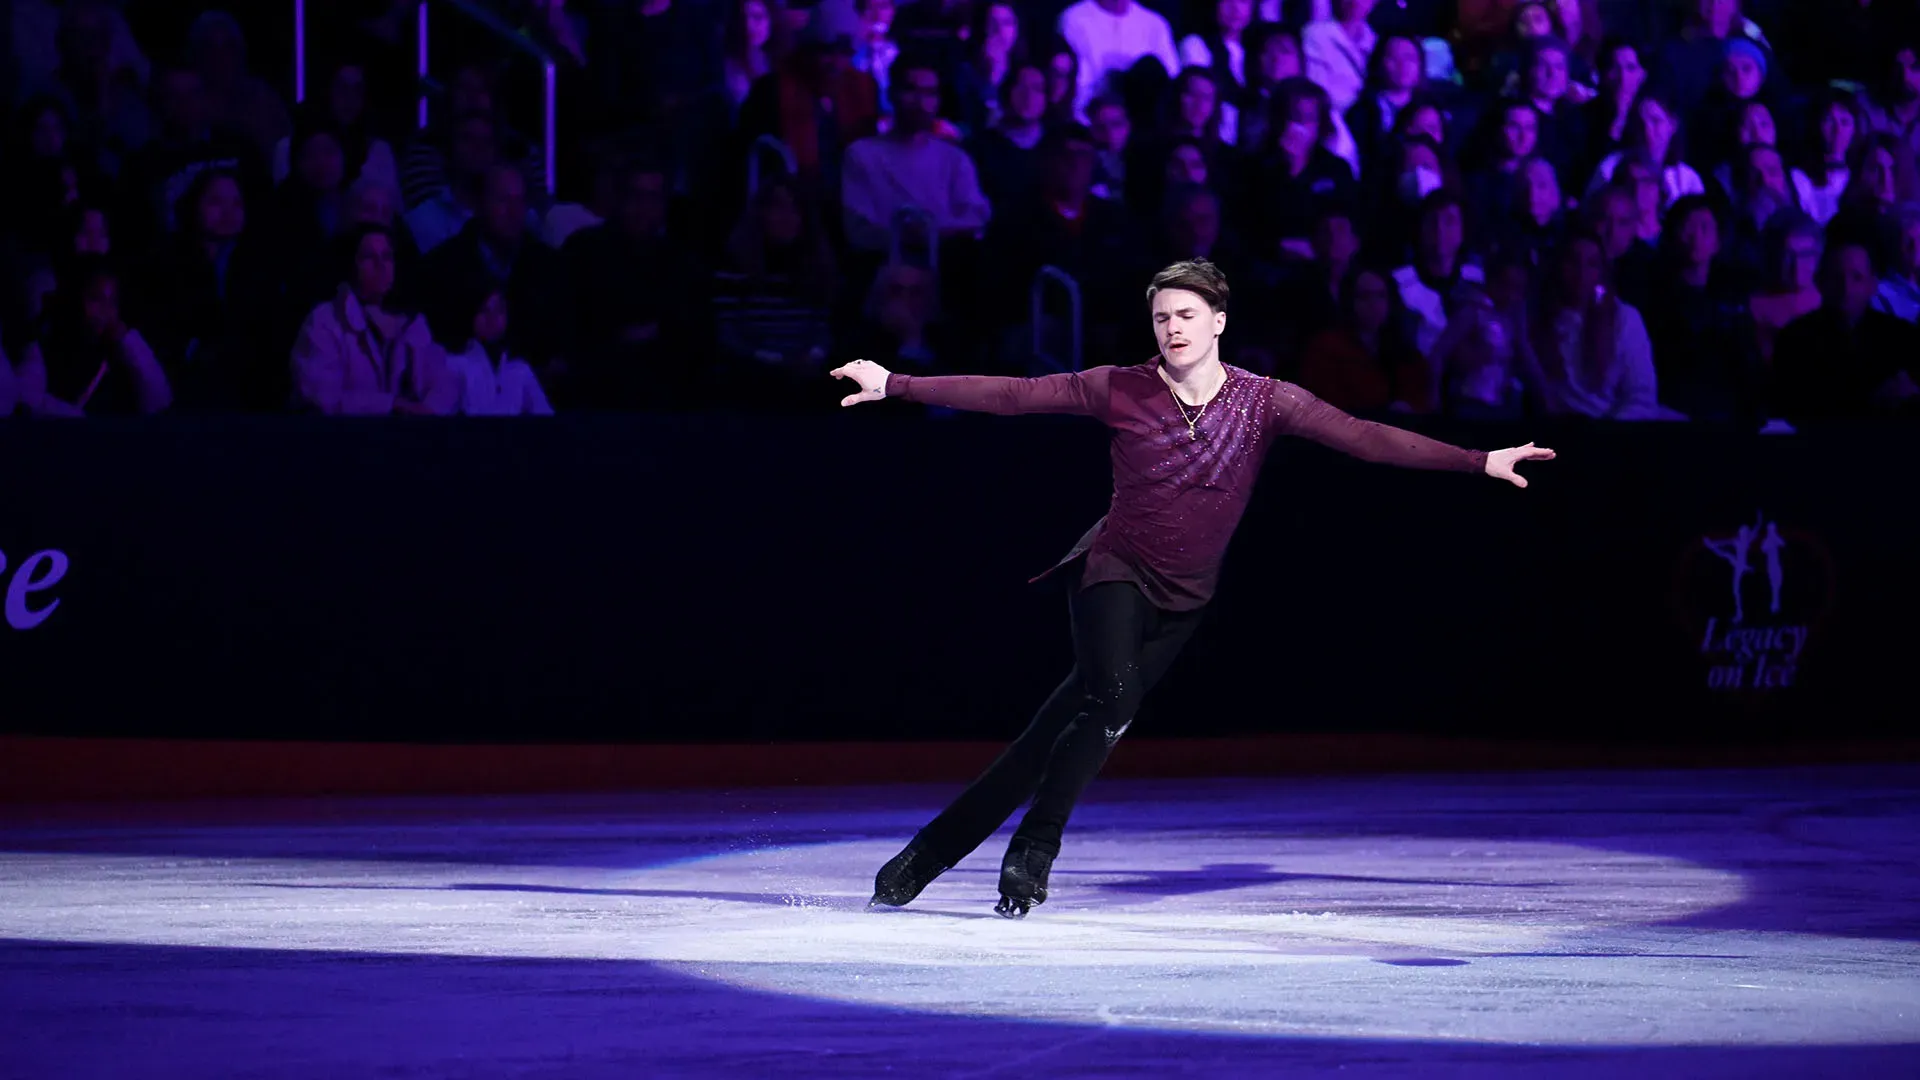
(862, 575)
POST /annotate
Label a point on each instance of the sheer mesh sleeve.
(1082, 393)
(1297, 412)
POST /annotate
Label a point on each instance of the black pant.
(1122, 646)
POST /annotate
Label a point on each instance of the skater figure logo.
(1753, 598)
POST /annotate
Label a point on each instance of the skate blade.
(1009, 908)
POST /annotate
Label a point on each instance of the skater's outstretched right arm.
(1082, 393)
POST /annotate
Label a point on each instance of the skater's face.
(1185, 326)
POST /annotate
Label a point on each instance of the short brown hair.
(1197, 276)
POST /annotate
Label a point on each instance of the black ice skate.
(1023, 878)
(904, 876)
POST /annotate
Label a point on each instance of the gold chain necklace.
(1192, 433)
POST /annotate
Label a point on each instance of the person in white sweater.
(1110, 36)
(910, 168)
(493, 382)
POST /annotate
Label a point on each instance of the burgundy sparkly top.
(1179, 494)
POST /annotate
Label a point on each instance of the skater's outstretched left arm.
(1297, 412)
(1083, 393)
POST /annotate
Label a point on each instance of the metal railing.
(488, 20)
(1057, 276)
(761, 147)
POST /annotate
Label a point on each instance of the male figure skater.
(1188, 436)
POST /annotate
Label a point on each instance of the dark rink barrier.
(861, 576)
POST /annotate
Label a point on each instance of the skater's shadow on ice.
(1220, 877)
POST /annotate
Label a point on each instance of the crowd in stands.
(1682, 210)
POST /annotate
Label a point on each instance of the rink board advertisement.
(865, 577)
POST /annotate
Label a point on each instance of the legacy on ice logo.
(1753, 599)
(23, 603)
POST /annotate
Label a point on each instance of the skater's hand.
(871, 377)
(1500, 463)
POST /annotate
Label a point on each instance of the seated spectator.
(154, 178)
(1112, 133)
(1109, 37)
(909, 168)
(99, 78)
(756, 39)
(357, 357)
(1761, 191)
(1531, 226)
(1544, 85)
(994, 48)
(1220, 46)
(491, 380)
(1605, 119)
(239, 102)
(210, 301)
(1496, 56)
(1277, 54)
(1508, 139)
(1899, 293)
(1717, 121)
(1893, 108)
(86, 361)
(1180, 163)
(1655, 134)
(47, 169)
(1439, 267)
(79, 229)
(1691, 62)
(816, 103)
(565, 218)
(1836, 121)
(874, 51)
(1484, 367)
(1641, 175)
(640, 307)
(1614, 215)
(1299, 174)
(1367, 362)
(1005, 155)
(1788, 290)
(1191, 110)
(1338, 51)
(344, 110)
(442, 215)
(1703, 338)
(1394, 74)
(425, 169)
(1063, 83)
(1845, 360)
(1593, 349)
(902, 314)
(1879, 171)
(773, 295)
(307, 207)
(1416, 168)
(499, 247)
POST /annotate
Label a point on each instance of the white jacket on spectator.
(1627, 390)
(1426, 306)
(343, 364)
(882, 174)
(1337, 61)
(513, 390)
(1108, 44)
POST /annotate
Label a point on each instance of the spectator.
(901, 311)
(1899, 292)
(1593, 348)
(1439, 267)
(640, 310)
(80, 229)
(1063, 84)
(1703, 337)
(1531, 226)
(1719, 119)
(1191, 110)
(1109, 37)
(44, 31)
(1366, 362)
(1310, 294)
(86, 360)
(1394, 73)
(994, 49)
(474, 149)
(1190, 228)
(1278, 53)
(47, 169)
(1112, 133)
(99, 82)
(773, 295)
(563, 219)
(426, 173)
(491, 380)
(1006, 155)
(1761, 190)
(1691, 63)
(1300, 174)
(1788, 291)
(188, 143)
(1221, 47)
(909, 168)
(1338, 51)
(1642, 176)
(1880, 169)
(238, 103)
(1614, 215)
(1845, 360)
(815, 103)
(1837, 120)
(1544, 84)
(1894, 108)
(358, 355)
(1484, 367)
(756, 42)
(210, 300)
(499, 249)
(1415, 170)
(1655, 134)
(344, 111)
(1509, 139)
(1606, 118)
(308, 205)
